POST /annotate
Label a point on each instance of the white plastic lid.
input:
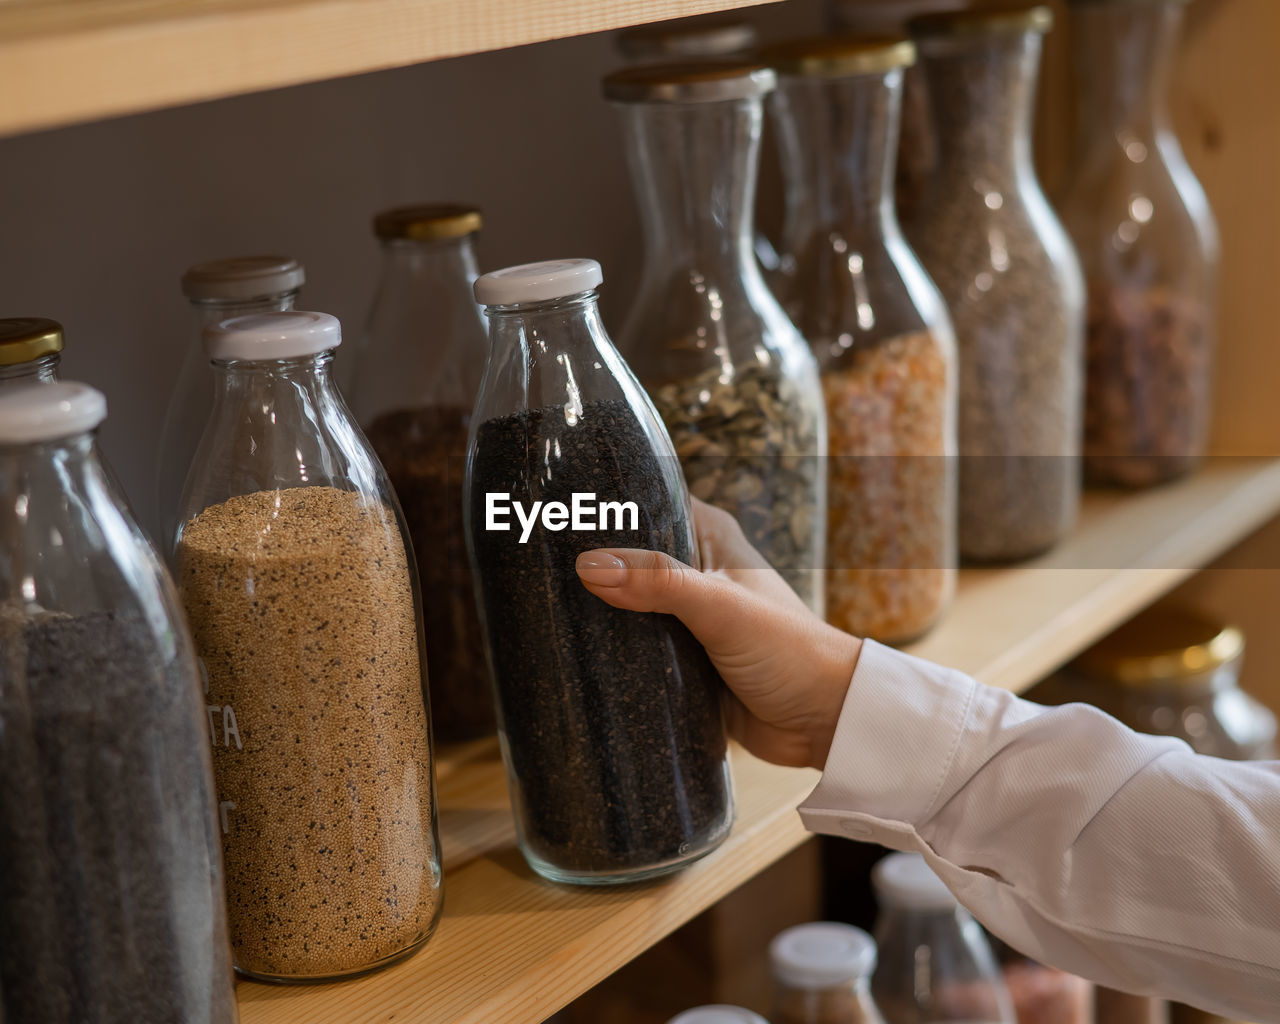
(905, 880)
(45, 412)
(538, 282)
(282, 335)
(821, 955)
(243, 278)
(718, 1013)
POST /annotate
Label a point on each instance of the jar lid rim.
(425, 222)
(27, 338)
(242, 278)
(690, 82)
(713, 36)
(982, 21)
(1162, 644)
(840, 55)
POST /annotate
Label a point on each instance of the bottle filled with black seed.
(111, 891)
(610, 719)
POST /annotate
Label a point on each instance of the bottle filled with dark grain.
(1149, 247)
(416, 373)
(610, 719)
(111, 892)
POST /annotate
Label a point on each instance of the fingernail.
(601, 570)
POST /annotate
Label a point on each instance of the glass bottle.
(917, 147)
(822, 975)
(292, 562)
(217, 291)
(708, 38)
(609, 719)
(1010, 279)
(30, 350)
(733, 380)
(935, 963)
(1171, 671)
(1149, 247)
(880, 332)
(111, 893)
(415, 383)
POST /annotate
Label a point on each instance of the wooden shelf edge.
(81, 60)
(516, 949)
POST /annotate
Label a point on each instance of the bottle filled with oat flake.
(731, 376)
(293, 565)
(1149, 247)
(880, 333)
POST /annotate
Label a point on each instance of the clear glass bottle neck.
(536, 331)
(212, 312)
(694, 170)
(311, 373)
(839, 147)
(982, 91)
(1128, 49)
(449, 261)
(43, 370)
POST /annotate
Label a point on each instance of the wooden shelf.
(515, 949)
(65, 61)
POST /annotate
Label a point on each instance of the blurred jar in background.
(917, 147)
(416, 375)
(935, 962)
(1173, 672)
(1148, 245)
(879, 331)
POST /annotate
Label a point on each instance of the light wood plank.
(67, 61)
(512, 948)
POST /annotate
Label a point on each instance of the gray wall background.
(97, 222)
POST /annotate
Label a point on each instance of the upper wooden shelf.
(65, 61)
(515, 949)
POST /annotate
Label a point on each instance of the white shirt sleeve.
(1124, 858)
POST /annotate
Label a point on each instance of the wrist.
(834, 676)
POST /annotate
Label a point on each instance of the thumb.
(649, 581)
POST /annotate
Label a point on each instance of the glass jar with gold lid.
(879, 331)
(30, 350)
(1171, 671)
(417, 372)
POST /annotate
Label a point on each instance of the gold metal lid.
(691, 39)
(1161, 645)
(242, 278)
(25, 338)
(988, 20)
(838, 56)
(428, 222)
(702, 82)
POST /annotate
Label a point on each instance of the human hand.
(787, 670)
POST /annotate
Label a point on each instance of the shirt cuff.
(894, 746)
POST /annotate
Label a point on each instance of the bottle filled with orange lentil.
(293, 566)
(879, 330)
